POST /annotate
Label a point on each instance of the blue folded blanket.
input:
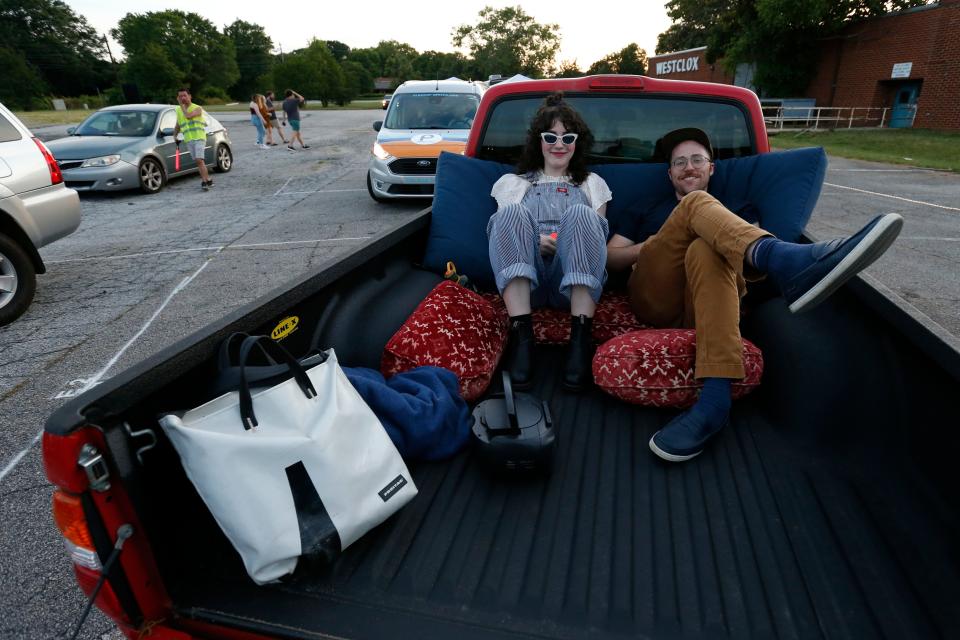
(421, 409)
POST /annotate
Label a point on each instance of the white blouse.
(511, 188)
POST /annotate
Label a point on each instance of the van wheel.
(224, 159)
(152, 176)
(18, 280)
(373, 194)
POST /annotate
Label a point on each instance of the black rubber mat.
(759, 537)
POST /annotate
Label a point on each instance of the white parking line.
(301, 193)
(887, 195)
(17, 458)
(124, 256)
(884, 170)
(74, 389)
(284, 185)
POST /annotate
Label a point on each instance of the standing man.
(691, 258)
(274, 121)
(291, 106)
(190, 122)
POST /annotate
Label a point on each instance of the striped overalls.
(514, 244)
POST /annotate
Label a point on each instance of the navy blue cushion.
(782, 186)
(462, 205)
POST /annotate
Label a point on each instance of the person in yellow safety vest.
(190, 122)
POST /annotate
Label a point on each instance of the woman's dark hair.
(554, 107)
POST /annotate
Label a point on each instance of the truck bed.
(828, 508)
(761, 536)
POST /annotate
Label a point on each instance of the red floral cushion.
(453, 328)
(612, 318)
(654, 367)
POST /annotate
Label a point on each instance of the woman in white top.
(547, 240)
(257, 107)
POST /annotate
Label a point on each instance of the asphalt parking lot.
(143, 271)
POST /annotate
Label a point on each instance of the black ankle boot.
(577, 372)
(518, 359)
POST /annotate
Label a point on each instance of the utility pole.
(110, 53)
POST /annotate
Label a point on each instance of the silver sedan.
(132, 146)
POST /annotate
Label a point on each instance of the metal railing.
(778, 118)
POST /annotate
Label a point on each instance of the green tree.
(780, 37)
(192, 43)
(156, 76)
(508, 41)
(21, 84)
(356, 80)
(631, 59)
(254, 61)
(339, 50)
(58, 45)
(313, 73)
(569, 69)
(436, 65)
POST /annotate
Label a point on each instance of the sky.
(589, 30)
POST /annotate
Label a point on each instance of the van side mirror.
(167, 132)
(70, 130)
(377, 125)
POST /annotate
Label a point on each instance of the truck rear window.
(625, 128)
(8, 132)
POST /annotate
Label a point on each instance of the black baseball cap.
(670, 140)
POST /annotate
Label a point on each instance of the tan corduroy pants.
(690, 274)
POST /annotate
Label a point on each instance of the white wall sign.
(679, 65)
(901, 70)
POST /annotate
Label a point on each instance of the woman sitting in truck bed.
(547, 239)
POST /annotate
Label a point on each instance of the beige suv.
(35, 209)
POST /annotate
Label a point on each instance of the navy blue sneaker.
(837, 261)
(684, 437)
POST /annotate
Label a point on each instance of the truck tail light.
(56, 177)
(68, 515)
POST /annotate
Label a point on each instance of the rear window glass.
(118, 123)
(625, 128)
(432, 111)
(8, 132)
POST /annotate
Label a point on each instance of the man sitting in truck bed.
(691, 272)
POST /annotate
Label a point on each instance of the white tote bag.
(303, 468)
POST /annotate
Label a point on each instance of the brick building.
(907, 61)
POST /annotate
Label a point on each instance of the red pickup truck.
(829, 508)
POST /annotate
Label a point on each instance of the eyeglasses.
(551, 138)
(696, 160)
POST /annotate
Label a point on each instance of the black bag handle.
(282, 355)
(224, 361)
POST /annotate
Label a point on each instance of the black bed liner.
(756, 538)
(829, 508)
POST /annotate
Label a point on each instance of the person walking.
(291, 106)
(273, 121)
(191, 123)
(256, 117)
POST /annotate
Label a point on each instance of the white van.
(424, 118)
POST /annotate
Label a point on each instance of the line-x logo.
(285, 327)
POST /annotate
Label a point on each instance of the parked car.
(132, 146)
(35, 209)
(386, 100)
(424, 118)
